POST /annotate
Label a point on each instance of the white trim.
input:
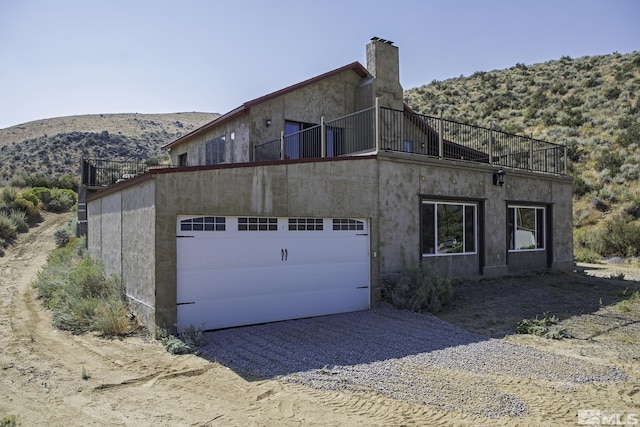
(435, 227)
(536, 231)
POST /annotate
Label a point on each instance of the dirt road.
(135, 382)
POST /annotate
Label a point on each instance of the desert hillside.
(591, 104)
(55, 146)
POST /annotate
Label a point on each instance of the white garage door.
(235, 271)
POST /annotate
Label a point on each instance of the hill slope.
(55, 146)
(591, 103)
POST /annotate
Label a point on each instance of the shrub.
(112, 318)
(586, 255)
(621, 237)
(62, 200)
(8, 230)
(185, 343)
(419, 289)
(9, 421)
(580, 187)
(32, 212)
(545, 327)
(61, 237)
(79, 294)
(43, 194)
(30, 196)
(19, 219)
(9, 194)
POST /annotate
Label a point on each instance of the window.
(301, 140)
(215, 151)
(525, 227)
(206, 223)
(448, 228)
(257, 224)
(344, 224)
(305, 224)
(335, 141)
(182, 159)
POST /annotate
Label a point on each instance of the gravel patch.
(404, 355)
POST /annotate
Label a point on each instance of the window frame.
(466, 205)
(540, 218)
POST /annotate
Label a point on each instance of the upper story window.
(448, 228)
(301, 140)
(215, 151)
(182, 159)
(525, 226)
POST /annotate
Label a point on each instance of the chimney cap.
(378, 39)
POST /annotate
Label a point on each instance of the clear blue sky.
(68, 57)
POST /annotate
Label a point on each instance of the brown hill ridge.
(54, 147)
(132, 124)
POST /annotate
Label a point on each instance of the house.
(301, 202)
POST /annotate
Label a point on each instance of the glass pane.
(510, 228)
(450, 232)
(428, 227)
(540, 227)
(469, 229)
(525, 228)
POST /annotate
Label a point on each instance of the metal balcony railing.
(377, 128)
(103, 173)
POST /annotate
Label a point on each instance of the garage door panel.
(239, 311)
(232, 278)
(226, 282)
(200, 253)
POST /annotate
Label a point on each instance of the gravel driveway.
(413, 357)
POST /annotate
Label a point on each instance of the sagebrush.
(80, 295)
(419, 288)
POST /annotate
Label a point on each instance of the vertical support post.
(377, 123)
(565, 158)
(490, 142)
(323, 138)
(531, 152)
(282, 145)
(440, 138)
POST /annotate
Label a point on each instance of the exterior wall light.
(498, 177)
(267, 122)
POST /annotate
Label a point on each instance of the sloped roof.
(356, 67)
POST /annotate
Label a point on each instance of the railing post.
(282, 145)
(377, 123)
(490, 142)
(440, 138)
(323, 139)
(565, 157)
(531, 152)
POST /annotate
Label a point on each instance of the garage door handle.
(284, 254)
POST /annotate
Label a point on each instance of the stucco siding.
(562, 192)
(138, 248)
(111, 242)
(94, 228)
(341, 188)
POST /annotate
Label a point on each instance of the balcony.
(374, 130)
(382, 129)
